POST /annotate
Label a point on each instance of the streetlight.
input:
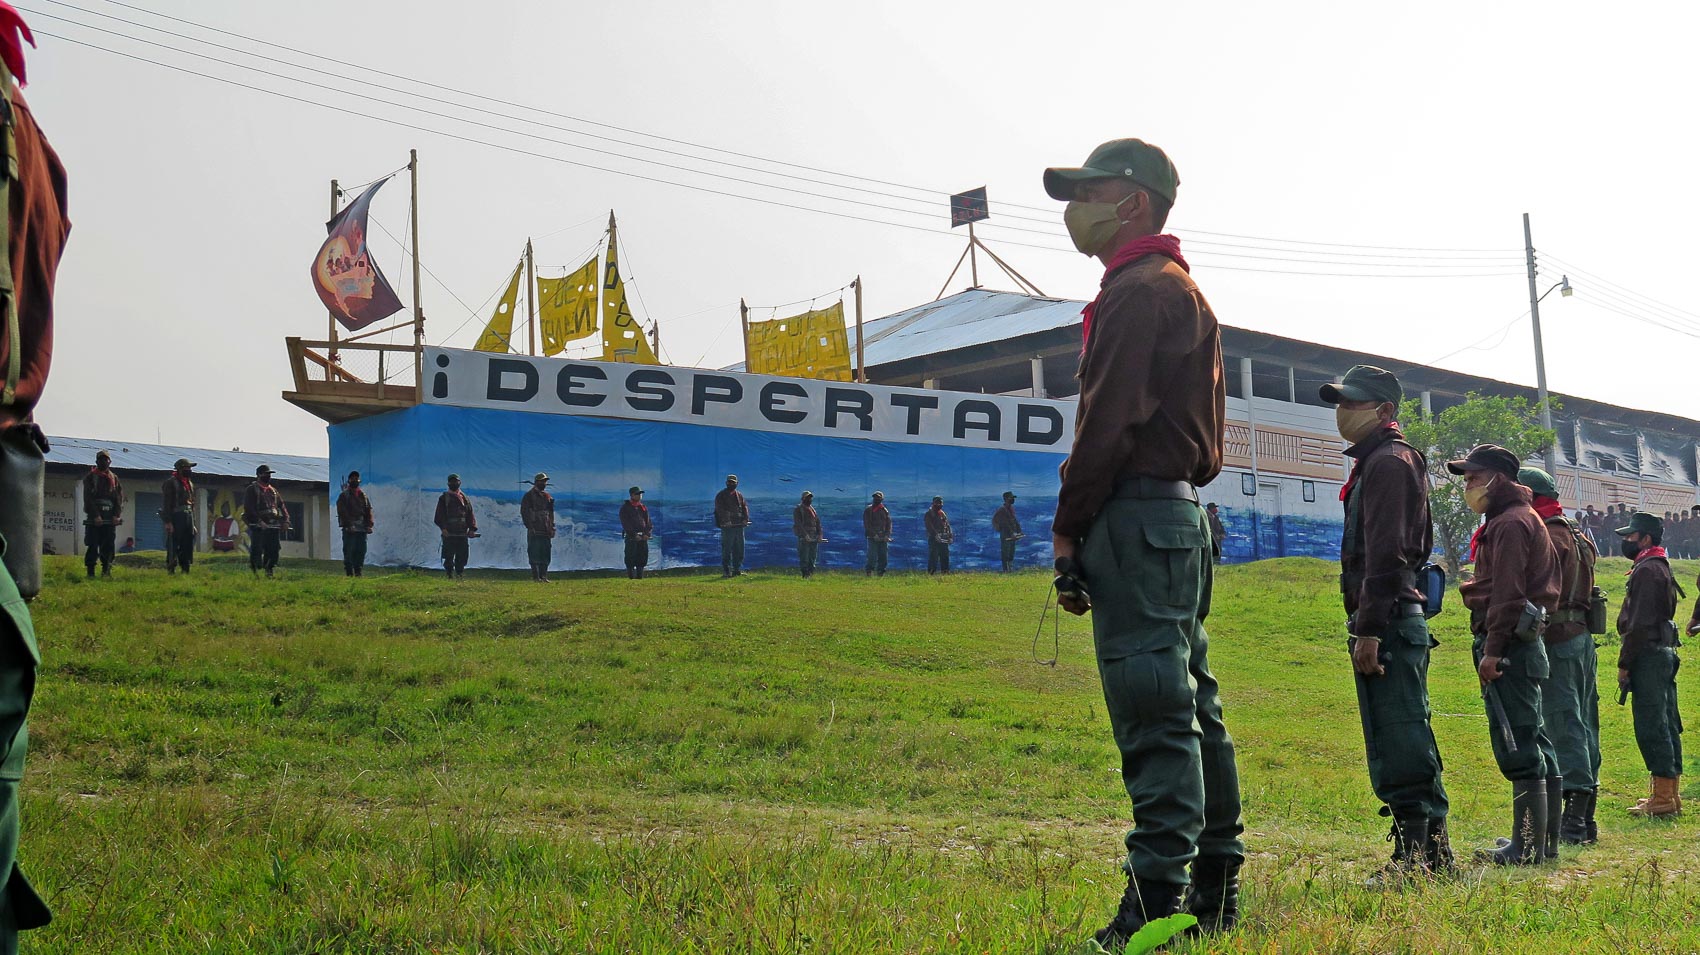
(1540, 355)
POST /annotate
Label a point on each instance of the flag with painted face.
(346, 276)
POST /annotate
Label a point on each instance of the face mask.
(1093, 224)
(1630, 549)
(1355, 426)
(1477, 498)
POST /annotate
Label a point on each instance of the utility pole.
(744, 320)
(973, 260)
(336, 196)
(861, 370)
(418, 310)
(1540, 355)
(531, 298)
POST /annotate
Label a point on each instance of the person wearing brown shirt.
(267, 519)
(1647, 662)
(1387, 538)
(177, 510)
(354, 516)
(458, 525)
(537, 513)
(1132, 544)
(1515, 585)
(637, 529)
(1570, 698)
(805, 525)
(1008, 527)
(939, 538)
(732, 516)
(876, 527)
(103, 511)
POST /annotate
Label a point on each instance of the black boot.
(1593, 827)
(1573, 826)
(1437, 851)
(1555, 815)
(1528, 826)
(1410, 838)
(1214, 896)
(1142, 902)
(90, 566)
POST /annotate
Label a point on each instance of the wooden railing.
(342, 380)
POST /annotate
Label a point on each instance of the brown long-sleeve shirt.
(1388, 533)
(876, 522)
(537, 513)
(38, 226)
(177, 496)
(805, 522)
(103, 497)
(262, 506)
(454, 515)
(731, 509)
(354, 510)
(1649, 603)
(1515, 564)
(1006, 523)
(938, 526)
(634, 521)
(1576, 556)
(1152, 396)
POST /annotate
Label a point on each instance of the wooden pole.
(418, 311)
(531, 296)
(973, 260)
(861, 370)
(744, 320)
(336, 196)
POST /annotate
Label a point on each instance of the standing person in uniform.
(454, 519)
(103, 511)
(177, 509)
(267, 520)
(354, 516)
(36, 227)
(805, 525)
(1128, 529)
(876, 527)
(537, 512)
(732, 516)
(1218, 531)
(1694, 617)
(1647, 662)
(1387, 539)
(1516, 584)
(939, 538)
(637, 528)
(1570, 698)
(1008, 527)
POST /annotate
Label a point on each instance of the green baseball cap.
(1642, 522)
(1364, 383)
(1132, 159)
(1538, 481)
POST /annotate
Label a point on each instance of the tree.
(1511, 423)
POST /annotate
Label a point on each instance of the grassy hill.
(688, 764)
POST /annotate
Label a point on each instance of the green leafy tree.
(1511, 423)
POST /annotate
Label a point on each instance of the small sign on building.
(966, 207)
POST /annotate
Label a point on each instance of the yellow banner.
(499, 334)
(566, 308)
(622, 337)
(810, 345)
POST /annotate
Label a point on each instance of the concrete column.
(1250, 412)
(1292, 386)
(1428, 402)
(1039, 378)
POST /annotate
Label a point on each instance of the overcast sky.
(197, 205)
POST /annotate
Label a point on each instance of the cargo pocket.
(1177, 552)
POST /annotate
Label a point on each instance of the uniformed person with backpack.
(1647, 662)
(1570, 698)
(267, 519)
(1384, 550)
(103, 511)
(177, 510)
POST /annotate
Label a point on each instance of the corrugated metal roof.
(974, 317)
(130, 456)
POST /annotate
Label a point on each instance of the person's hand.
(1693, 626)
(1488, 670)
(1075, 602)
(1366, 657)
(1622, 680)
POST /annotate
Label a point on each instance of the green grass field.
(687, 764)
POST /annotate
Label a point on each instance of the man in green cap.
(1694, 617)
(177, 510)
(1008, 527)
(267, 520)
(458, 525)
(537, 512)
(637, 529)
(1570, 698)
(103, 511)
(1388, 536)
(1132, 543)
(1647, 662)
(1516, 585)
(805, 526)
(732, 516)
(354, 516)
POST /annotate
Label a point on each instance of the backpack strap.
(8, 289)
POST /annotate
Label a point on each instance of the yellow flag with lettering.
(566, 308)
(498, 335)
(622, 337)
(810, 345)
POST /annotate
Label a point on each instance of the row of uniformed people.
(263, 511)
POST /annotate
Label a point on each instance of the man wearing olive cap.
(1647, 661)
(456, 522)
(732, 516)
(177, 510)
(1008, 527)
(1570, 698)
(939, 537)
(1386, 541)
(876, 527)
(1694, 616)
(537, 512)
(637, 529)
(103, 511)
(267, 520)
(354, 516)
(805, 526)
(1129, 532)
(1515, 585)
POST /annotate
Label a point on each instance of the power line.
(1674, 310)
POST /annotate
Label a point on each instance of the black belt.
(1408, 610)
(1155, 488)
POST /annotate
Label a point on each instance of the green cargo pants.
(1570, 711)
(1658, 724)
(1147, 564)
(1404, 759)
(20, 907)
(1519, 689)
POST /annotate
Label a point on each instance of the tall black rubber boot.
(1214, 896)
(1555, 816)
(1573, 821)
(1142, 902)
(1528, 826)
(1593, 827)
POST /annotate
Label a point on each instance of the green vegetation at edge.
(687, 764)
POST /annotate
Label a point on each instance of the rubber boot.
(106, 570)
(1573, 826)
(1663, 803)
(1214, 896)
(1142, 902)
(1555, 814)
(1528, 826)
(90, 566)
(1593, 826)
(1437, 851)
(1410, 837)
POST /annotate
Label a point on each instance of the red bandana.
(13, 34)
(1548, 507)
(1652, 552)
(1137, 249)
